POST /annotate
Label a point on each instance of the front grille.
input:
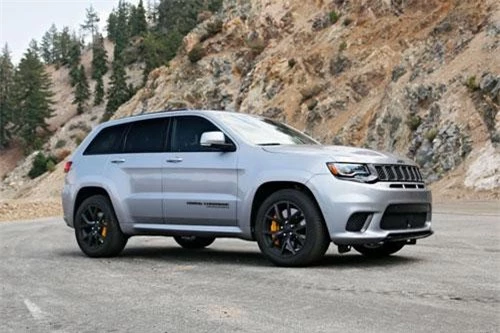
(405, 216)
(398, 173)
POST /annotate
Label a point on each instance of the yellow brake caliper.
(104, 231)
(274, 228)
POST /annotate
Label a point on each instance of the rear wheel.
(96, 228)
(290, 230)
(379, 250)
(194, 242)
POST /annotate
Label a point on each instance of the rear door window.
(146, 136)
(108, 141)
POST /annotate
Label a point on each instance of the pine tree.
(62, 46)
(98, 91)
(81, 91)
(32, 99)
(122, 32)
(75, 52)
(7, 75)
(46, 48)
(118, 92)
(111, 27)
(137, 23)
(99, 68)
(99, 58)
(91, 23)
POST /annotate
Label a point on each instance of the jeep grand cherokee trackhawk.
(199, 175)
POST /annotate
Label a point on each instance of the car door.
(137, 170)
(199, 183)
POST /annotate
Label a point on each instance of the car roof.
(159, 114)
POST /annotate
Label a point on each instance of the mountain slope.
(420, 78)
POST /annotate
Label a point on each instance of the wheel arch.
(268, 188)
(87, 192)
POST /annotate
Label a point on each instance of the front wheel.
(290, 230)
(379, 250)
(194, 242)
(96, 228)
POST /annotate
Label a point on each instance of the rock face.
(417, 78)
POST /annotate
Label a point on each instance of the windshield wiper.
(269, 144)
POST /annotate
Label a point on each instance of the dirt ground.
(12, 210)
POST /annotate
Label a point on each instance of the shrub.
(212, 29)
(342, 46)
(257, 45)
(196, 53)
(292, 62)
(347, 21)
(431, 134)
(60, 144)
(413, 122)
(333, 16)
(61, 155)
(471, 83)
(41, 164)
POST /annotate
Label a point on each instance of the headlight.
(352, 171)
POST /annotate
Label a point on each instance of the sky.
(23, 20)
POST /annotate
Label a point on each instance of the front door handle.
(118, 161)
(174, 160)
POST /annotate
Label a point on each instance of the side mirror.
(216, 140)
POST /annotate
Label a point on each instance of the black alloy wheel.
(290, 230)
(96, 228)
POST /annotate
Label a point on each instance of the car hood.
(340, 154)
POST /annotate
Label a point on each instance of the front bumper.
(340, 199)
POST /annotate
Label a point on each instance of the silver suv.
(199, 175)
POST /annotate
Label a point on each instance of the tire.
(194, 242)
(97, 229)
(379, 251)
(290, 230)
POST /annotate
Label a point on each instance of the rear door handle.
(174, 160)
(118, 161)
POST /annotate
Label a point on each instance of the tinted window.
(147, 136)
(108, 141)
(187, 133)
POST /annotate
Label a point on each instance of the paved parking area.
(449, 282)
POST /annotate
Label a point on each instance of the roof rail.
(156, 112)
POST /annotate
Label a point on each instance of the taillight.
(67, 166)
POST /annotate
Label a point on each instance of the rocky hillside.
(421, 78)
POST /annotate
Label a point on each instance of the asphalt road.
(449, 282)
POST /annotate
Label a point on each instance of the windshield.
(263, 131)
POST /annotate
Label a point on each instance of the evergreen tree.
(91, 23)
(7, 75)
(99, 58)
(81, 91)
(32, 99)
(46, 48)
(122, 32)
(118, 92)
(62, 46)
(99, 68)
(137, 23)
(75, 52)
(98, 91)
(112, 25)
